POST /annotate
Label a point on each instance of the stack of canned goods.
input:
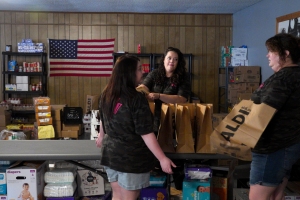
(31, 67)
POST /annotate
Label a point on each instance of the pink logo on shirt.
(118, 106)
(261, 85)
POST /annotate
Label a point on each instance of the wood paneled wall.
(199, 34)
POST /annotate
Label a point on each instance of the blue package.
(196, 189)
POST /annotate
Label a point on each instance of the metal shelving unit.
(223, 103)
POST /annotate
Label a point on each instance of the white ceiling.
(131, 6)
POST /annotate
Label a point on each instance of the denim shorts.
(270, 169)
(128, 181)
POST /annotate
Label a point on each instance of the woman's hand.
(99, 141)
(166, 165)
(153, 96)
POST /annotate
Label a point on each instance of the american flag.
(89, 58)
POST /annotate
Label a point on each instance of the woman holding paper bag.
(279, 146)
(128, 144)
(169, 83)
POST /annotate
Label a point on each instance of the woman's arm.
(165, 163)
(100, 136)
(167, 98)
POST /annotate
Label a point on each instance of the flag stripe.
(81, 57)
(80, 68)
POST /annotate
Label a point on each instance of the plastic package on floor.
(60, 189)
(60, 175)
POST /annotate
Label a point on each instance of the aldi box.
(26, 176)
(89, 183)
(154, 193)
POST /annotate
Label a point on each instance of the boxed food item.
(44, 101)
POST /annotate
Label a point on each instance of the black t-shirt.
(123, 147)
(282, 92)
(182, 89)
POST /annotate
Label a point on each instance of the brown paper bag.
(204, 127)
(166, 130)
(221, 146)
(246, 123)
(91, 103)
(185, 142)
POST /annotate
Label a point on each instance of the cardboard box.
(41, 108)
(154, 193)
(196, 189)
(242, 78)
(27, 174)
(57, 125)
(72, 127)
(248, 86)
(43, 132)
(44, 121)
(69, 134)
(5, 117)
(22, 79)
(22, 86)
(89, 183)
(3, 184)
(253, 70)
(239, 53)
(56, 111)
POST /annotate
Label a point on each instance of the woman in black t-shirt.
(169, 83)
(128, 144)
(279, 146)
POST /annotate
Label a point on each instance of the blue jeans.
(270, 169)
(128, 181)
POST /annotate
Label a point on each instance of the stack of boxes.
(56, 112)
(157, 188)
(22, 83)
(197, 183)
(246, 80)
(72, 122)
(43, 128)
